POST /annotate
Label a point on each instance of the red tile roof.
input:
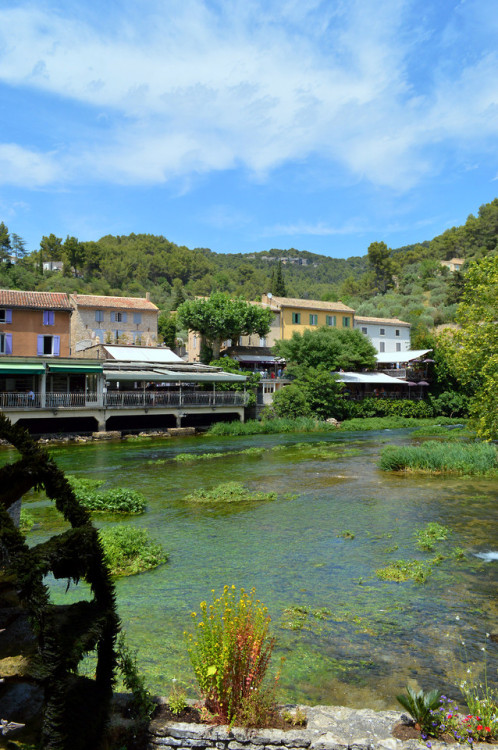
(122, 303)
(35, 300)
(387, 321)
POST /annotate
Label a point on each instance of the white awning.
(407, 356)
(158, 375)
(368, 377)
(150, 354)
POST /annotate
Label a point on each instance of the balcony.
(122, 400)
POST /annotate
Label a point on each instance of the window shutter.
(51, 318)
(45, 317)
(56, 346)
(8, 343)
(123, 317)
(113, 317)
(39, 349)
(8, 316)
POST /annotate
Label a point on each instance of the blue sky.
(243, 125)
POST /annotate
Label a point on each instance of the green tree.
(51, 247)
(18, 246)
(473, 348)
(166, 328)
(219, 317)
(5, 246)
(178, 294)
(381, 264)
(277, 282)
(328, 349)
(290, 402)
(73, 254)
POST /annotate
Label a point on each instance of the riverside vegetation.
(433, 457)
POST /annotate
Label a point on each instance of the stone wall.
(328, 728)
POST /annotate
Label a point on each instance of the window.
(345, 322)
(5, 316)
(5, 343)
(331, 320)
(397, 331)
(99, 316)
(382, 346)
(398, 346)
(49, 346)
(137, 318)
(296, 318)
(364, 330)
(48, 318)
(313, 320)
(194, 342)
(262, 341)
(382, 331)
(118, 317)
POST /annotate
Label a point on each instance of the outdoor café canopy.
(406, 356)
(160, 375)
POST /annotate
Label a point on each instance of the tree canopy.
(328, 349)
(221, 317)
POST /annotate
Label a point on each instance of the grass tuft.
(229, 492)
(433, 457)
(130, 550)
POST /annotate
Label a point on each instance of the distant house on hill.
(112, 320)
(455, 264)
(34, 323)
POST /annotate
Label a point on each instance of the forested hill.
(384, 281)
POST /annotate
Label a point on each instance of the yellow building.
(296, 315)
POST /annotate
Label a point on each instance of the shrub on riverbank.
(270, 426)
(435, 458)
(114, 500)
(129, 550)
(230, 651)
(393, 423)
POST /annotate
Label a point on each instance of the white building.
(386, 334)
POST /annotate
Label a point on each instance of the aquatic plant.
(434, 457)
(428, 536)
(129, 550)
(114, 500)
(405, 570)
(230, 652)
(438, 430)
(419, 706)
(346, 534)
(229, 492)
(270, 426)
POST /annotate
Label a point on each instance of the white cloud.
(20, 166)
(187, 87)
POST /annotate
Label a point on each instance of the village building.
(112, 320)
(386, 334)
(34, 323)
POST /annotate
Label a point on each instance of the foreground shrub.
(480, 725)
(420, 706)
(229, 492)
(230, 651)
(433, 457)
(130, 550)
(115, 500)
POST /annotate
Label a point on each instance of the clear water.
(379, 636)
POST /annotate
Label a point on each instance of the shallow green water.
(378, 635)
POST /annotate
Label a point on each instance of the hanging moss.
(75, 708)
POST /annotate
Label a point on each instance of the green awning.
(74, 368)
(13, 368)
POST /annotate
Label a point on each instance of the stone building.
(112, 320)
(386, 334)
(34, 323)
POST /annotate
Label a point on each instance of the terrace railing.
(122, 399)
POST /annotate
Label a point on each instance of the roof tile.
(123, 303)
(36, 300)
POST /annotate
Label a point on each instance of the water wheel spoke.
(69, 632)
(69, 555)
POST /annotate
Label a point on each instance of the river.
(353, 640)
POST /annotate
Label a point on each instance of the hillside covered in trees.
(407, 282)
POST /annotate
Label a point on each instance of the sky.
(245, 125)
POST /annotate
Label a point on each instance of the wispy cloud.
(191, 87)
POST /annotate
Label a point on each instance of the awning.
(258, 358)
(13, 368)
(406, 356)
(364, 378)
(169, 376)
(70, 368)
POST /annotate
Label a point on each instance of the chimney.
(147, 296)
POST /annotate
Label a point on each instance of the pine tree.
(5, 246)
(278, 283)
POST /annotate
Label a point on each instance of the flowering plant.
(465, 729)
(230, 652)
